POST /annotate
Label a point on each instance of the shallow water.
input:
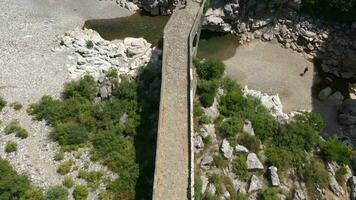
(136, 25)
(217, 45)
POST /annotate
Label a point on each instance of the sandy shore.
(29, 70)
(272, 69)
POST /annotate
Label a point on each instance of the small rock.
(205, 182)
(253, 163)
(255, 184)
(274, 178)
(352, 184)
(211, 189)
(241, 149)
(337, 96)
(226, 149)
(198, 142)
(299, 195)
(325, 93)
(335, 187)
(247, 128)
(206, 162)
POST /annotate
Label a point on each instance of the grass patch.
(14, 127)
(10, 147)
(16, 105)
(239, 167)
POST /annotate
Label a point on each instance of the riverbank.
(30, 68)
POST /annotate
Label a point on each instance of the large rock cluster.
(96, 56)
(154, 7)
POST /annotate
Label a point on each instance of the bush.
(239, 167)
(249, 141)
(14, 127)
(12, 185)
(59, 155)
(283, 158)
(16, 105)
(2, 103)
(68, 181)
(314, 173)
(70, 133)
(207, 91)
(86, 87)
(92, 177)
(268, 194)
(230, 127)
(312, 119)
(57, 193)
(335, 150)
(296, 136)
(80, 192)
(34, 193)
(210, 69)
(219, 161)
(89, 44)
(65, 167)
(10, 147)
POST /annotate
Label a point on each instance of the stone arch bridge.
(174, 167)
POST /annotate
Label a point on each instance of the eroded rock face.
(335, 187)
(299, 195)
(352, 184)
(255, 184)
(159, 7)
(96, 56)
(227, 149)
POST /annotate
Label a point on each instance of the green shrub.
(198, 184)
(249, 141)
(219, 161)
(207, 91)
(239, 167)
(68, 182)
(340, 174)
(59, 155)
(198, 111)
(241, 196)
(10, 147)
(34, 193)
(80, 192)
(215, 179)
(57, 193)
(70, 133)
(268, 194)
(16, 105)
(2, 103)
(92, 177)
(314, 173)
(12, 127)
(296, 136)
(86, 87)
(65, 167)
(335, 150)
(89, 44)
(204, 119)
(230, 127)
(312, 119)
(22, 133)
(210, 69)
(232, 102)
(283, 158)
(12, 185)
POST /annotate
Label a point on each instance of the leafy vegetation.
(239, 167)
(268, 194)
(57, 193)
(2, 103)
(68, 182)
(14, 186)
(335, 150)
(340, 175)
(219, 161)
(314, 173)
(249, 141)
(65, 167)
(92, 177)
(11, 146)
(230, 127)
(14, 127)
(16, 105)
(120, 129)
(80, 192)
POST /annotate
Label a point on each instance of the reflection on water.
(216, 45)
(136, 25)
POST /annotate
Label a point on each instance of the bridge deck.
(172, 157)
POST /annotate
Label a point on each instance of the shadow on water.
(216, 45)
(136, 25)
